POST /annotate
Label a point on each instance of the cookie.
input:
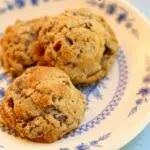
(111, 42)
(43, 105)
(82, 44)
(18, 45)
(75, 45)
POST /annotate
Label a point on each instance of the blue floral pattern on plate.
(144, 92)
(94, 143)
(123, 77)
(122, 15)
(95, 90)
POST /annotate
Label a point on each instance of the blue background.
(142, 141)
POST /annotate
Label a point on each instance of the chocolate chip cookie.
(75, 45)
(80, 43)
(18, 45)
(43, 105)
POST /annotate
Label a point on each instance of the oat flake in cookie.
(43, 105)
(80, 43)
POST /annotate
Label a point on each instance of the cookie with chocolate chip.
(75, 45)
(80, 43)
(43, 105)
(18, 44)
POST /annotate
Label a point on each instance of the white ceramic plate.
(118, 106)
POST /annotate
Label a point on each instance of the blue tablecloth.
(142, 141)
(143, 6)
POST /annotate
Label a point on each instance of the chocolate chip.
(40, 50)
(40, 133)
(30, 119)
(57, 46)
(88, 25)
(60, 97)
(24, 125)
(70, 64)
(73, 101)
(10, 103)
(107, 51)
(69, 40)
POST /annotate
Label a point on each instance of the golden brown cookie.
(80, 43)
(43, 105)
(111, 42)
(18, 45)
(75, 45)
(77, 41)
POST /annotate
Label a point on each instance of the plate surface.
(118, 106)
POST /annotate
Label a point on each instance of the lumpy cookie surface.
(75, 45)
(77, 41)
(80, 43)
(43, 105)
(18, 45)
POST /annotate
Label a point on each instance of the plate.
(117, 106)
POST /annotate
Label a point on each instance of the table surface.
(141, 142)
